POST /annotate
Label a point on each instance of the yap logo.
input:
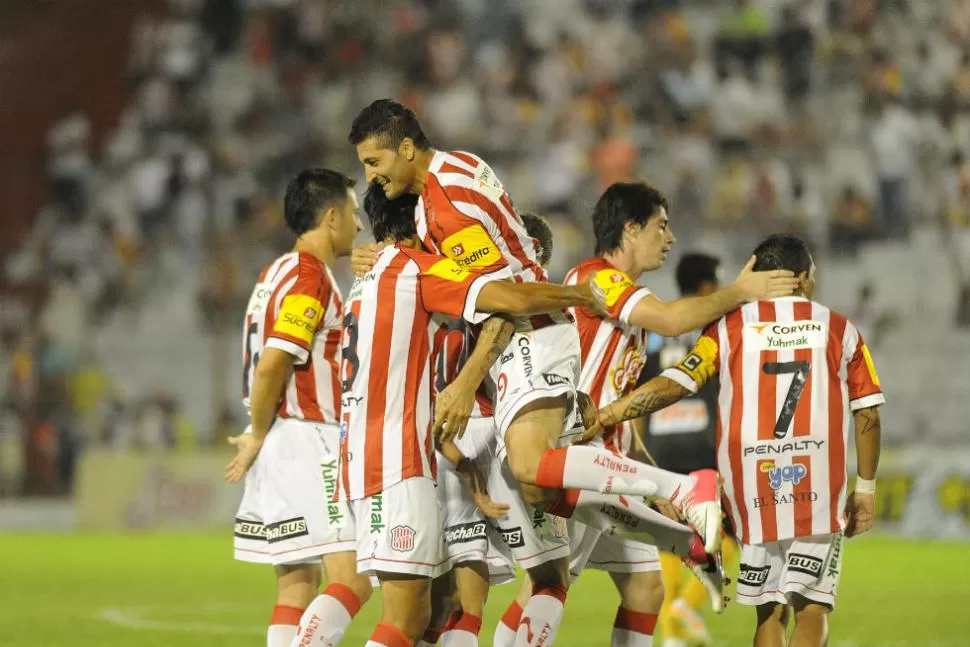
(778, 476)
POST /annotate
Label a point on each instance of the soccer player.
(633, 236)
(465, 213)
(681, 438)
(291, 387)
(386, 462)
(791, 373)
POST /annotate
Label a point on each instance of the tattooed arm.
(868, 431)
(453, 405)
(656, 394)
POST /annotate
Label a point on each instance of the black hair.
(390, 122)
(693, 270)
(783, 252)
(538, 228)
(621, 203)
(390, 219)
(309, 192)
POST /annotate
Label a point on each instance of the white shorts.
(285, 516)
(533, 536)
(590, 549)
(400, 530)
(773, 572)
(537, 364)
(468, 535)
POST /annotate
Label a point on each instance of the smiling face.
(394, 170)
(650, 242)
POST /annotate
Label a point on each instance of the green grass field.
(185, 590)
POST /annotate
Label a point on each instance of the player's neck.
(422, 162)
(318, 247)
(624, 261)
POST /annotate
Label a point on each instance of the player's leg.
(471, 584)
(443, 605)
(508, 624)
(296, 585)
(406, 610)
(327, 617)
(542, 613)
(641, 597)
(811, 623)
(772, 624)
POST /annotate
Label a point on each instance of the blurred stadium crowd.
(846, 121)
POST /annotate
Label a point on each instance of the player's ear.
(406, 149)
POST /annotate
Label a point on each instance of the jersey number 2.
(799, 371)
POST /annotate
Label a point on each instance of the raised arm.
(672, 318)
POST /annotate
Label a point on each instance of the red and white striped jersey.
(612, 351)
(296, 307)
(453, 341)
(386, 367)
(791, 370)
(467, 215)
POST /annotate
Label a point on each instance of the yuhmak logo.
(772, 335)
(779, 475)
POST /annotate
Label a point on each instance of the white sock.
(507, 626)
(282, 625)
(326, 619)
(280, 635)
(599, 470)
(464, 633)
(633, 629)
(540, 618)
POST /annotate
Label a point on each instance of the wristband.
(865, 486)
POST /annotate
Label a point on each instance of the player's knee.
(807, 611)
(524, 466)
(297, 584)
(772, 612)
(642, 592)
(536, 496)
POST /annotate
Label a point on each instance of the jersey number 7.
(799, 371)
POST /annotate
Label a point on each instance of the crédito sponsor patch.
(869, 365)
(448, 270)
(613, 284)
(471, 248)
(299, 317)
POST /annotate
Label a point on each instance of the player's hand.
(590, 432)
(860, 512)
(587, 409)
(760, 286)
(475, 482)
(363, 257)
(595, 296)
(247, 448)
(452, 409)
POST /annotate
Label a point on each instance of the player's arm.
(865, 397)
(454, 404)
(525, 299)
(672, 318)
(674, 384)
(269, 380)
(473, 480)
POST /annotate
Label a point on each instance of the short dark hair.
(783, 252)
(538, 228)
(309, 192)
(623, 202)
(693, 270)
(390, 122)
(390, 219)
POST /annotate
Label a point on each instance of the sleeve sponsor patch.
(448, 270)
(299, 317)
(613, 283)
(870, 365)
(700, 363)
(471, 248)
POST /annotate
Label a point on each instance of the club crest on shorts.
(402, 538)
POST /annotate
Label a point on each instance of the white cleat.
(690, 624)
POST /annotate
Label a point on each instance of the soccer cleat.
(708, 569)
(689, 624)
(701, 506)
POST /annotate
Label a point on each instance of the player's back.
(296, 307)
(790, 371)
(466, 214)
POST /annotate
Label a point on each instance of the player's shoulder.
(465, 176)
(588, 267)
